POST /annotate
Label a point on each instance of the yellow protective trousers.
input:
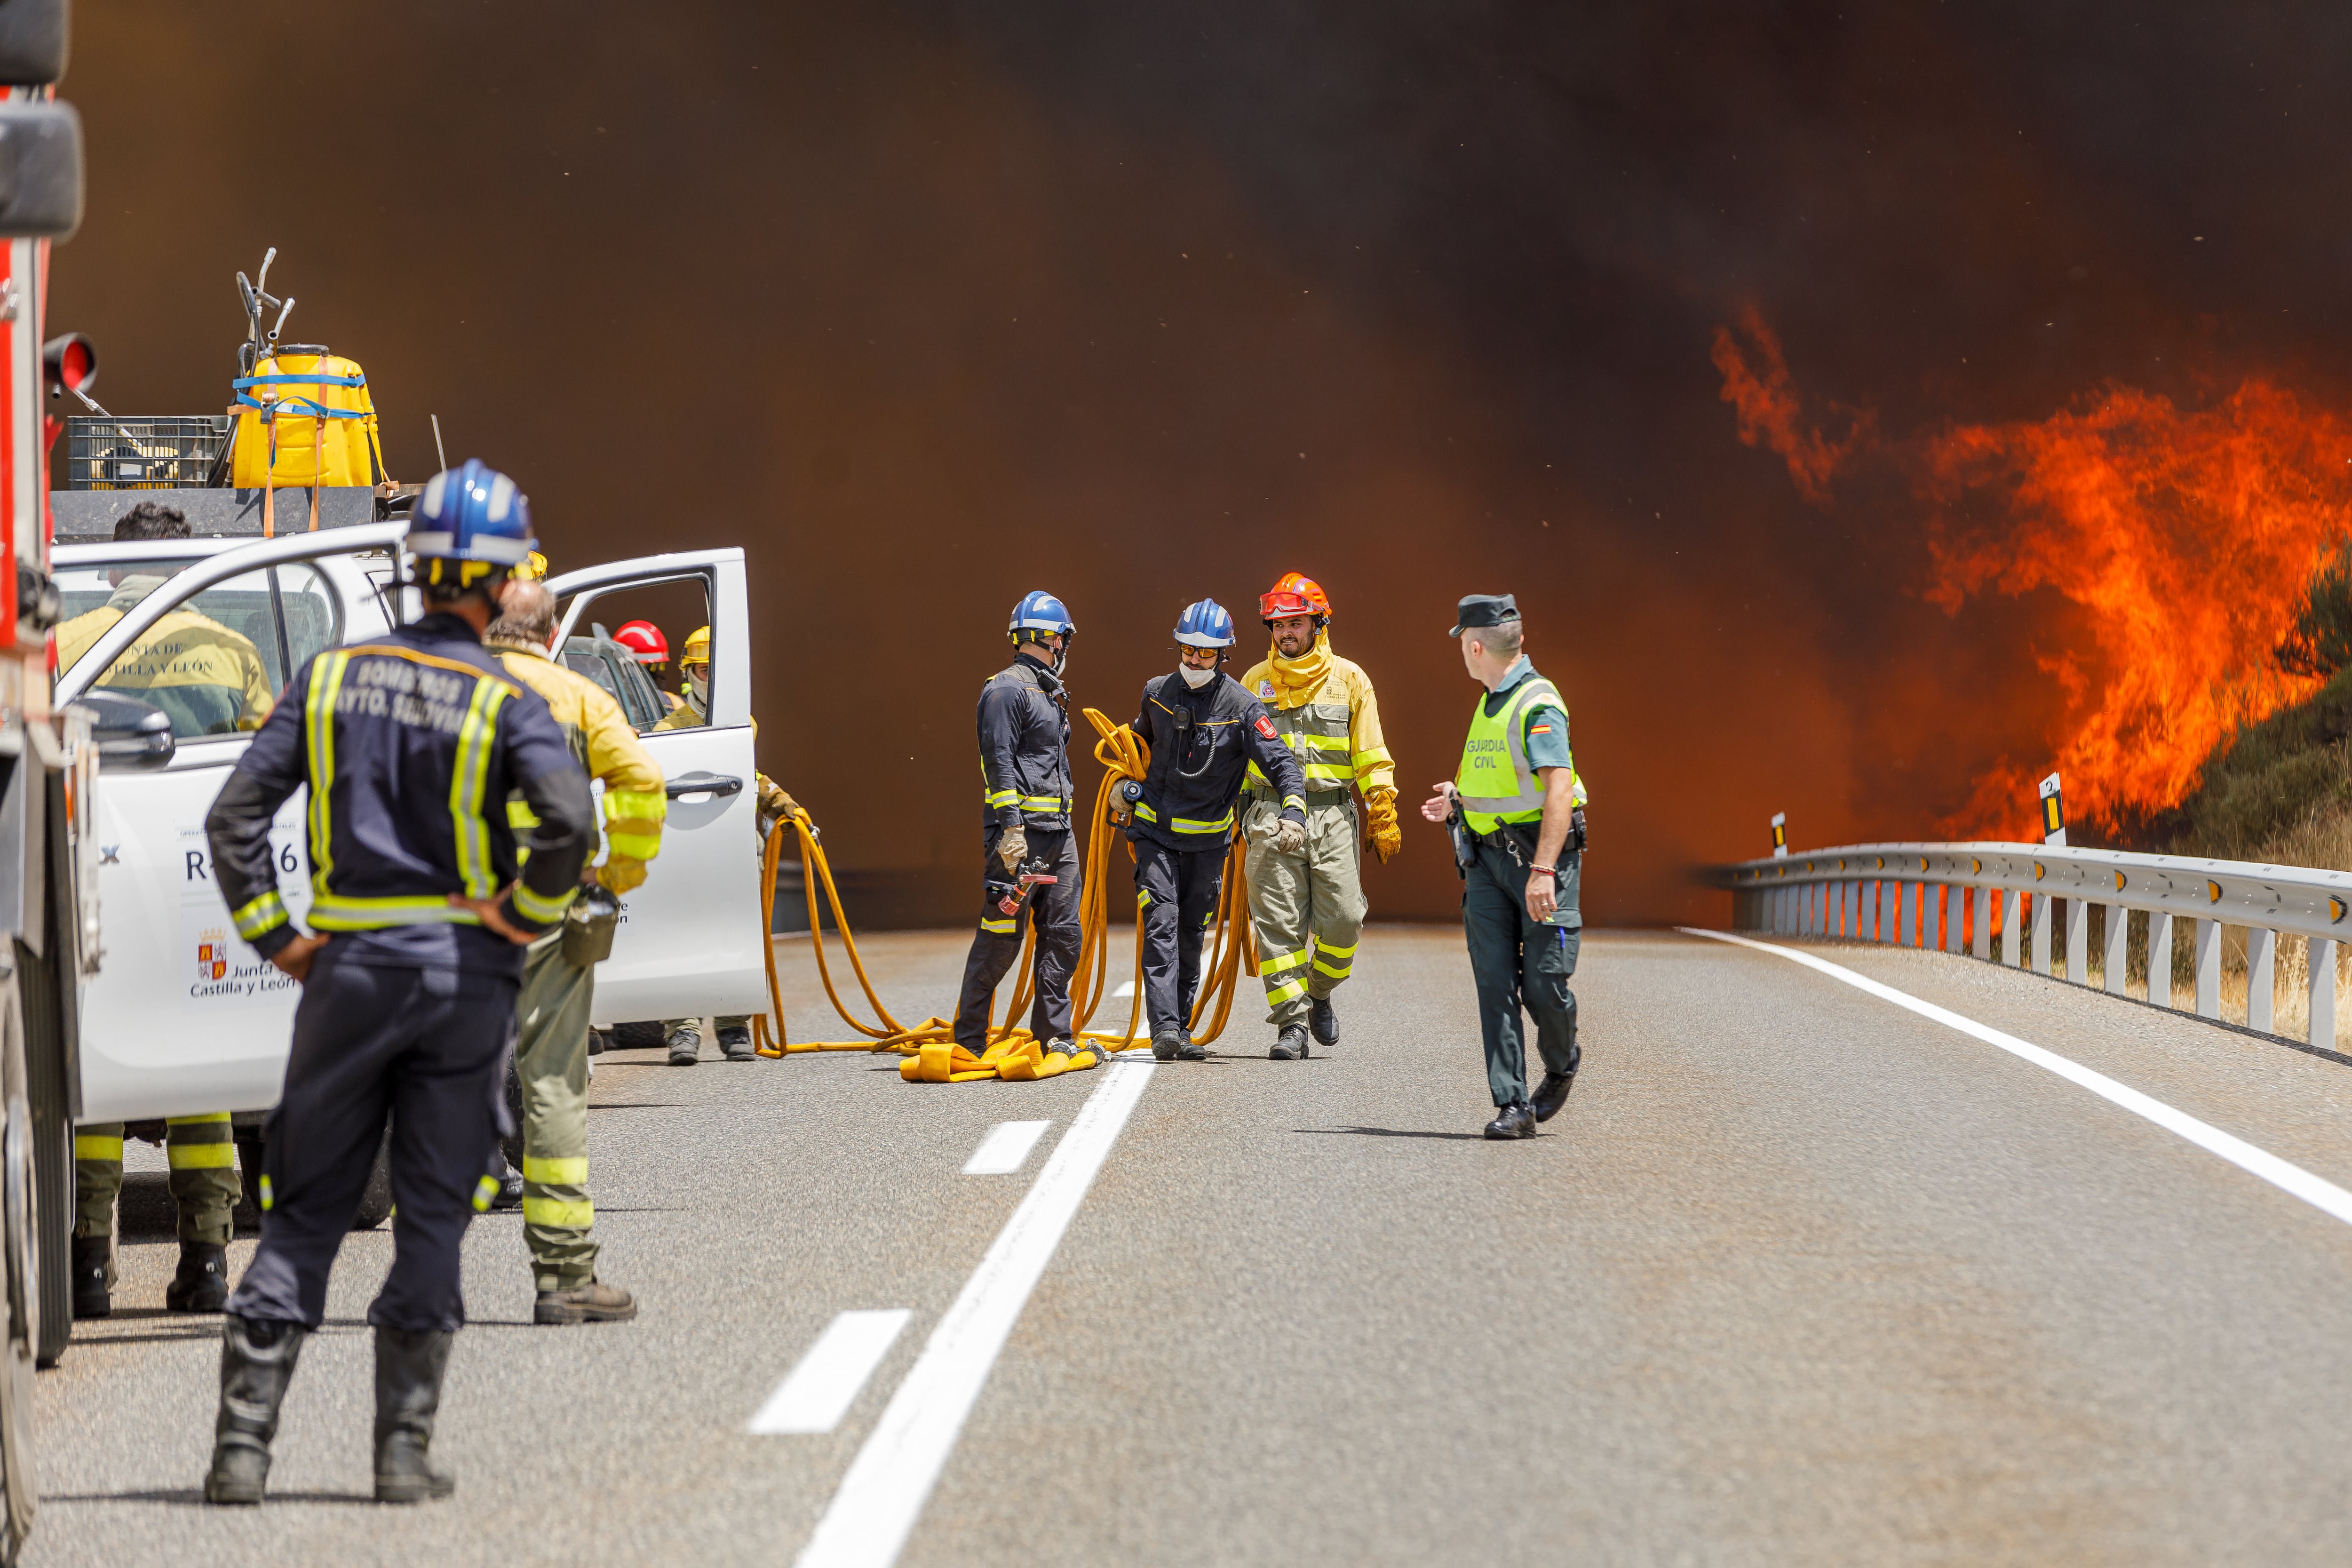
(204, 1185)
(1309, 908)
(551, 1061)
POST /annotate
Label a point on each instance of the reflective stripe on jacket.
(1024, 748)
(1335, 733)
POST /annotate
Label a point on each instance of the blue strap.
(308, 408)
(299, 381)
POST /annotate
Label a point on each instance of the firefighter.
(552, 1033)
(651, 650)
(1025, 818)
(684, 1035)
(1203, 730)
(210, 681)
(1323, 708)
(412, 744)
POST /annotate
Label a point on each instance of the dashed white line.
(2284, 1174)
(819, 1392)
(870, 1517)
(1005, 1149)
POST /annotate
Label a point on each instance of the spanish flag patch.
(1538, 729)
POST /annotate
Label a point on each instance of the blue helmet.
(1205, 624)
(1040, 612)
(471, 523)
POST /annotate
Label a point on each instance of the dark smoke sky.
(929, 304)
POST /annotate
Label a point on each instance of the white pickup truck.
(183, 1017)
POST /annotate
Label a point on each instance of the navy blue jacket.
(410, 745)
(1203, 744)
(1024, 748)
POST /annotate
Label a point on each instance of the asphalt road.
(1799, 1277)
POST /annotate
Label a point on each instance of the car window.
(608, 664)
(214, 664)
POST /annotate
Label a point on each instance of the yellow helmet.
(697, 648)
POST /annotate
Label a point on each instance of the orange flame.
(2187, 537)
(1768, 410)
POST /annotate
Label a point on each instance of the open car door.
(691, 940)
(183, 1017)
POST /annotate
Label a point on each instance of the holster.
(588, 925)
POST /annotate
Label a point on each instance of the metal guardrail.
(1940, 896)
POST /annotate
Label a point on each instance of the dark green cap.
(1485, 610)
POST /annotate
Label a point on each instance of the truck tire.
(375, 1198)
(18, 1255)
(36, 1003)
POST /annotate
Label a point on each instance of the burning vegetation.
(2184, 541)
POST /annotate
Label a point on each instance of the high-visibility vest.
(1318, 734)
(1495, 782)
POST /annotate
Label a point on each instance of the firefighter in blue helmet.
(1204, 730)
(1026, 814)
(411, 745)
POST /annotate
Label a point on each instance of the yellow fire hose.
(1013, 1052)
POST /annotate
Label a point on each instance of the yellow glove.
(621, 874)
(1379, 809)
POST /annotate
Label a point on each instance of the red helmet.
(645, 642)
(1296, 595)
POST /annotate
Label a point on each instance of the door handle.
(703, 784)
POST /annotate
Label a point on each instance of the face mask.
(1195, 678)
(698, 680)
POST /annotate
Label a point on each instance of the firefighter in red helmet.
(1309, 906)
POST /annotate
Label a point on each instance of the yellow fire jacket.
(210, 680)
(634, 804)
(1333, 724)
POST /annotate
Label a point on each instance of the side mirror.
(40, 169)
(133, 736)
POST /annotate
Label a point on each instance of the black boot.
(1513, 1120)
(1326, 1022)
(256, 1363)
(1290, 1045)
(202, 1283)
(735, 1043)
(89, 1297)
(408, 1368)
(1552, 1093)
(1165, 1043)
(1187, 1048)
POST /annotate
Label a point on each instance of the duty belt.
(1315, 797)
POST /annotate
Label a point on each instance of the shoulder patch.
(1266, 727)
(1266, 688)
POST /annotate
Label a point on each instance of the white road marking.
(2288, 1177)
(870, 1517)
(1005, 1148)
(1126, 988)
(818, 1393)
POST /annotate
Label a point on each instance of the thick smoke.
(932, 305)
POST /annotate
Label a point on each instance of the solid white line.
(2284, 1174)
(1005, 1149)
(871, 1515)
(818, 1392)
(1126, 989)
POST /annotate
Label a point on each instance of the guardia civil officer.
(411, 745)
(1204, 730)
(1026, 809)
(1515, 808)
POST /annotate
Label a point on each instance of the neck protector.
(1296, 680)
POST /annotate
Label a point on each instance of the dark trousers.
(425, 1047)
(997, 943)
(1519, 963)
(1178, 889)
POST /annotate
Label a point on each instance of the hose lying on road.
(1013, 1052)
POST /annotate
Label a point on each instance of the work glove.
(774, 805)
(1013, 848)
(621, 874)
(1290, 837)
(1380, 811)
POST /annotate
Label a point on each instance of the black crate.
(168, 452)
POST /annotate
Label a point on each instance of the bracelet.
(1551, 871)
